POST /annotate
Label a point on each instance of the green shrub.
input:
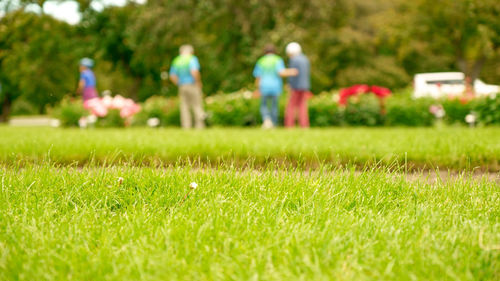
(69, 111)
(112, 119)
(241, 109)
(456, 110)
(488, 110)
(324, 111)
(363, 110)
(165, 109)
(235, 109)
(404, 111)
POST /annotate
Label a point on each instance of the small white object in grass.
(470, 118)
(193, 185)
(440, 113)
(120, 180)
(82, 122)
(153, 122)
(91, 119)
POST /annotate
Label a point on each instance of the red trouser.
(297, 102)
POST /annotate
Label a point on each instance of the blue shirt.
(88, 77)
(303, 80)
(267, 69)
(182, 66)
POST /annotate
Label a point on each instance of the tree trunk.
(471, 70)
(6, 106)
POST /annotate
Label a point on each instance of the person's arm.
(197, 77)
(81, 85)
(173, 74)
(257, 73)
(194, 69)
(288, 72)
(256, 93)
(174, 79)
(285, 72)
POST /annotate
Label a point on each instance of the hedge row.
(240, 109)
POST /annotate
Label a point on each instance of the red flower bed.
(355, 90)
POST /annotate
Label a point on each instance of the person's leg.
(303, 111)
(291, 109)
(264, 110)
(184, 107)
(274, 110)
(197, 103)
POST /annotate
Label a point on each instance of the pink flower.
(130, 110)
(437, 111)
(99, 110)
(433, 109)
(96, 107)
(107, 101)
(118, 102)
(88, 104)
(100, 107)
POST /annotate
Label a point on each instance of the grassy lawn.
(108, 204)
(453, 148)
(82, 224)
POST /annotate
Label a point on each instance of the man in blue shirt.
(268, 72)
(185, 73)
(300, 85)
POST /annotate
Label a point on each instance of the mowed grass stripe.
(82, 224)
(411, 148)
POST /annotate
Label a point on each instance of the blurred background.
(377, 42)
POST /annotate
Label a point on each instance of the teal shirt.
(182, 66)
(267, 69)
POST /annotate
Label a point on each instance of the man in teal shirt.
(268, 72)
(185, 73)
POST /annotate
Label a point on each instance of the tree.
(468, 30)
(37, 61)
(229, 35)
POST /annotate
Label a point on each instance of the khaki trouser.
(191, 99)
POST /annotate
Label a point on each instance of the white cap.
(293, 49)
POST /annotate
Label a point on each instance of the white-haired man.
(185, 73)
(300, 85)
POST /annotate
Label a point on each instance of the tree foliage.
(380, 42)
(35, 59)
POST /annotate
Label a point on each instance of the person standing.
(300, 85)
(87, 83)
(185, 73)
(268, 72)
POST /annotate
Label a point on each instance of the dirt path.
(32, 121)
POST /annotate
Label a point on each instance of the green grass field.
(97, 204)
(430, 148)
(81, 224)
